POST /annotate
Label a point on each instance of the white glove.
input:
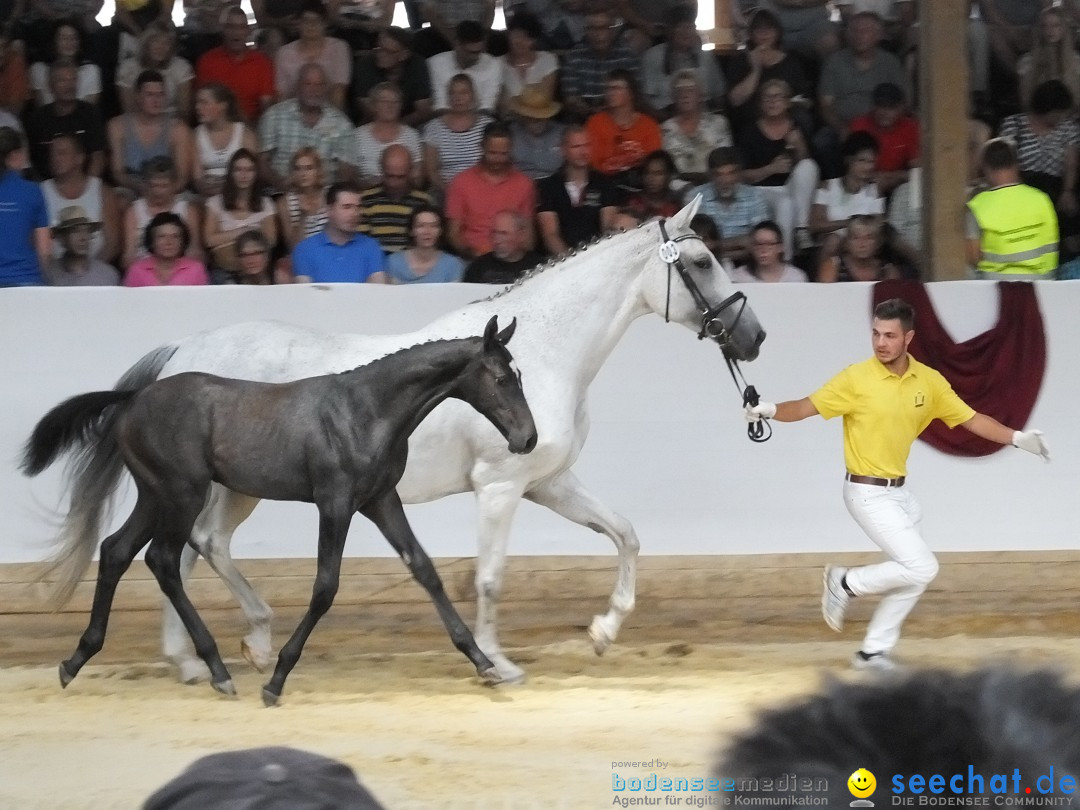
(763, 410)
(1032, 441)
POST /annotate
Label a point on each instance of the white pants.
(890, 516)
(790, 203)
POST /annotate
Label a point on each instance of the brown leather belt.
(875, 482)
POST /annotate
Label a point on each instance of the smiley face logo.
(862, 783)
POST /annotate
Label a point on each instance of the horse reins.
(711, 325)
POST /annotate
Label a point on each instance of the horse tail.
(84, 425)
(78, 420)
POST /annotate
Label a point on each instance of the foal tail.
(83, 426)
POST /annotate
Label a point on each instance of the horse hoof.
(490, 676)
(600, 639)
(269, 698)
(509, 673)
(260, 660)
(225, 687)
(193, 671)
(65, 676)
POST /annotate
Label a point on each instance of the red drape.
(998, 373)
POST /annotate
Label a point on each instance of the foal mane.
(407, 349)
(560, 260)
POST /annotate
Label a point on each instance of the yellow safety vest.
(1019, 231)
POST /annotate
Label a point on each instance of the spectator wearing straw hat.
(537, 139)
(24, 219)
(76, 267)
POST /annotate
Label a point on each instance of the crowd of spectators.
(324, 144)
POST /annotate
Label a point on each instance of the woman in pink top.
(167, 238)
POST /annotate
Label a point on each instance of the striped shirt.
(386, 218)
(457, 150)
(585, 72)
(1040, 153)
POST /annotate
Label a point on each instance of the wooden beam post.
(722, 35)
(943, 116)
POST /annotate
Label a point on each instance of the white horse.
(571, 314)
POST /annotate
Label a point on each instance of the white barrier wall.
(667, 448)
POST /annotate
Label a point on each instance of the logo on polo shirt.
(920, 399)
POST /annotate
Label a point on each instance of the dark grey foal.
(338, 441)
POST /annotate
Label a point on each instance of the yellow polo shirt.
(884, 414)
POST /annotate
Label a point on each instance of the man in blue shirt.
(340, 253)
(734, 206)
(25, 243)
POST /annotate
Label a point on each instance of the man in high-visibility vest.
(1012, 229)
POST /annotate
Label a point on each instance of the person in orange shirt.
(14, 84)
(621, 136)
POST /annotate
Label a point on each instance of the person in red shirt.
(621, 136)
(897, 134)
(246, 71)
(476, 195)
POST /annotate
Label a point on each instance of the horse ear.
(681, 220)
(508, 332)
(490, 332)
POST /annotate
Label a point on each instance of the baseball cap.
(269, 778)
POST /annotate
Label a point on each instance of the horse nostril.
(530, 444)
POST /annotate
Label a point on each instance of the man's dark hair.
(1051, 96)
(11, 140)
(161, 220)
(62, 62)
(928, 722)
(896, 309)
(664, 157)
(496, 129)
(888, 95)
(997, 154)
(469, 31)
(148, 77)
(677, 15)
(526, 22)
(344, 187)
(857, 142)
(624, 75)
(314, 7)
(724, 156)
(399, 35)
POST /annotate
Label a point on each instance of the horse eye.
(703, 262)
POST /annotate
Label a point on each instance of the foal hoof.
(65, 676)
(600, 638)
(269, 698)
(225, 687)
(490, 676)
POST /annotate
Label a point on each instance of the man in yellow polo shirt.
(886, 402)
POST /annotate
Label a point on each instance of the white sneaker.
(878, 662)
(834, 599)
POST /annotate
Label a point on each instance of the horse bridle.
(712, 326)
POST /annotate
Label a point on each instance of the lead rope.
(760, 431)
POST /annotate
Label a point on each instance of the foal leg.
(387, 514)
(224, 511)
(496, 504)
(117, 552)
(565, 495)
(333, 528)
(163, 559)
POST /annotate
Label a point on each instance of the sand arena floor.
(386, 693)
